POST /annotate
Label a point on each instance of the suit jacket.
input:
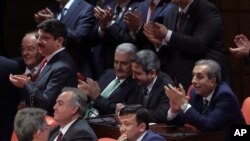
(9, 97)
(200, 36)
(151, 136)
(116, 34)
(157, 16)
(59, 72)
(79, 21)
(78, 131)
(223, 111)
(157, 102)
(125, 93)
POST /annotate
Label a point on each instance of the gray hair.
(78, 99)
(214, 69)
(28, 121)
(148, 59)
(126, 48)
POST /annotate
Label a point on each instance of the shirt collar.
(142, 135)
(124, 5)
(156, 2)
(27, 70)
(53, 54)
(150, 86)
(209, 97)
(66, 128)
(186, 8)
(69, 3)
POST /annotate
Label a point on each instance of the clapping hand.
(176, 96)
(90, 88)
(243, 46)
(155, 32)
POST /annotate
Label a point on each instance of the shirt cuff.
(167, 37)
(101, 32)
(188, 106)
(171, 115)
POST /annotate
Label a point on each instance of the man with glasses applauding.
(56, 71)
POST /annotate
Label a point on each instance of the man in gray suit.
(70, 107)
(58, 69)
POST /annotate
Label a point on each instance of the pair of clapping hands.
(177, 97)
(90, 87)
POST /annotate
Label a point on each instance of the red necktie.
(41, 67)
(59, 136)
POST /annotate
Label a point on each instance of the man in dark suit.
(70, 108)
(104, 101)
(147, 11)
(78, 17)
(146, 71)
(197, 33)
(137, 117)
(9, 98)
(58, 68)
(212, 105)
(110, 30)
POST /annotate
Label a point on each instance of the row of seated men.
(142, 70)
(33, 124)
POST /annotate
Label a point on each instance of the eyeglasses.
(43, 38)
(28, 49)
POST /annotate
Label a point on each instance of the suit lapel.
(154, 90)
(158, 12)
(70, 12)
(67, 134)
(144, 11)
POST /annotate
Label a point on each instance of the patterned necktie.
(32, 74)
(205, 105)
(42, 65)
(59, 136)
(110, 88)
(181, 19)
(145, 96)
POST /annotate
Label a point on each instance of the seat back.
(245, 109)
(106, 139)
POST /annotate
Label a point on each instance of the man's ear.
(60, 40)
(153, 73)
(142, 127)
(75, 110)
(214, 81)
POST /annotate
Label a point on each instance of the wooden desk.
(171, 133)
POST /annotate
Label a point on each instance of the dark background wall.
(17, 19)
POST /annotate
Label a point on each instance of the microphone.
(109, 120)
